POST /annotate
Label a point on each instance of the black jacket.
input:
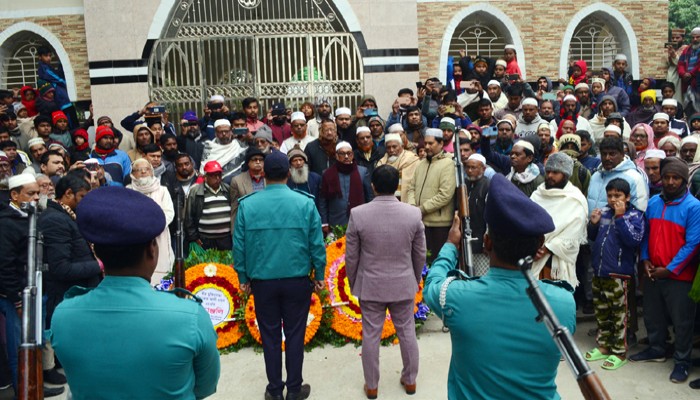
(477, 211)
(68, 256)
(319, 161)
(14, 230)
(194, 207)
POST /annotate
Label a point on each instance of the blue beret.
(119, 217)
(509, 211)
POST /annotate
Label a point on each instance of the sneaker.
(53, 391)
(648, 355)
(679, 374)
(302, 394)
(54, 377)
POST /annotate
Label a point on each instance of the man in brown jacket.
(384, 275)
(432, 190)
(403, 160)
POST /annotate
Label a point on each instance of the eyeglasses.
(639, 136)
(142, 170)
(344, 154)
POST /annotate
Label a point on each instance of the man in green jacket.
(277, 240)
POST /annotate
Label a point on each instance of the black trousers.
(222, 243)
(435, 238)
(282, 303)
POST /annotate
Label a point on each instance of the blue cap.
(276, 164)
(136, 218)
(510, 212)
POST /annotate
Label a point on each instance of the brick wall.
(541, 25)
(70, 31)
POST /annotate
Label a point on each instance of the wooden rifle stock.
(30, 370)
(592, 388)
(466, 258)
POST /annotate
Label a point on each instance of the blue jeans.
(13, 334)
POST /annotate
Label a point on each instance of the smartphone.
(240, 131)
(549, 96)
(370, 112)
(671, 44)
(513, 77)
(156, 110)
(215, 106)
(449, 109)
(419, 85)
(467, 84)
(404, 101)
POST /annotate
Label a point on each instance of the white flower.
(210, 270)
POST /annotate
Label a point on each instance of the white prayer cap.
(510, 46)
(436, 133)
(35, 141)
(598, 80)
(655, 153)
(30, 171)
(569, 97)
(395, 128)
(582, 85)
(298, 116)
(447, 120)
(393, 137)
(361, 129)
(690, 139)
(502, 63)
(695, 31)
(620, 57)
(670, 102)
(343, 144)
(613, 128)
(466, 133)
(493, 82)
(505, 121)
(221, 122)
(525, 144)
(529, 101)
(342, 111)
(91, 161)
(20, 180)
(217, 98)
(478, 157)
(663, 116)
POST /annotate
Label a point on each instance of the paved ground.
(336, 373)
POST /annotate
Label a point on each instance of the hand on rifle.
(455, 234)
(319, 286)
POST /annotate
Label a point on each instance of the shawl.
(330, 184)
(527, 176)
(223, 153)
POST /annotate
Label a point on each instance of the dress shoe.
(54, 377)
(410, 389)
(370, 393)
(53, 391)
(270, 396)
(301, 394)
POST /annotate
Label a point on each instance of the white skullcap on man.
(663, 116)
(221, 122)
(436, 133)
(510, 47)
(298, 116)
(695, 31)
(477, 157)
(655, 153)
(20, 180)
(395, 137)
(669, 102)
(361, 129)
(343, 145)
(613, 128)
(690, 139)
(342, 111)
(529, 101)
(35, 141)
(493, 82)
(582, 85)
(569, 97)
(395, 128)
(620, 57)
(525, 144)
(217, 98)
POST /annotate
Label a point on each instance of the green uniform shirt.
(278, 235)
(499, 351)
(124, 340)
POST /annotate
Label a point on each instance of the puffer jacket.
(627, 170)
(615, 242)
(433, 189)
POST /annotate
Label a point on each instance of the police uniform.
(123, 339)
(277, 240)
(499, 351)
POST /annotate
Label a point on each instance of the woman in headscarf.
(144, 181)
(640, 136)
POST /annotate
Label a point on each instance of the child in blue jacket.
(617, 231)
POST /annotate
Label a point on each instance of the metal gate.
(185, 72)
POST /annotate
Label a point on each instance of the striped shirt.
(216, 214)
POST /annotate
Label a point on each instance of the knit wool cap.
(264, 132)
(560, 162)
(103, 131)
(570, 138)
(57, 116)
(35, 141)
(676, 166)
(648, 93)
(297, 152)
(447, 123)
(252, 152)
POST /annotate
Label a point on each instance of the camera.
(370, 112)
(156, 110)
(215, 106)
(240, 131)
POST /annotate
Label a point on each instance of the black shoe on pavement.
(694, 384)
(679, 374)
(53, 391)
(300, 395)
(588, 309)
(54, 377)
(647, 356)
(270, 396)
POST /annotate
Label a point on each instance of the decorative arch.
(499, 18)
(618, 23)
(53, 41)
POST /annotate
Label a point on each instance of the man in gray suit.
(383, 275)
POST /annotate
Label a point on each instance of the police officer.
(277, 240)
(498, 349)
(123, 339)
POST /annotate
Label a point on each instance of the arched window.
(594, 41)
(477, 35)
(19, 55)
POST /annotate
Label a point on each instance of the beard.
(279, 121)
(474, 178)
(170, 154)
(44, 200)
(143, 181)
(392, 159)
(5, 181)
(299, 175)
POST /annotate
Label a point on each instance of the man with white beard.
(300, 178)
(47, 191)
(404, 161)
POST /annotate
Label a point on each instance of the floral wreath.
(222, 278)
(347, 317)
(313, 322)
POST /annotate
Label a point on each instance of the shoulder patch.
(562, 284)
(190, 295)
(309, 195)
(246, 196)
(76, 291)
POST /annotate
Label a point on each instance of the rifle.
(466, 258)
(179, 270)
(590, 385)
(30, 371)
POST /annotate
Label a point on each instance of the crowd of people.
(612, 161)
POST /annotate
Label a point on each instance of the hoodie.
(581, 78)
(30, 105)
(627, 170)
(527, 128)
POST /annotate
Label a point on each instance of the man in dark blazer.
(384, 275)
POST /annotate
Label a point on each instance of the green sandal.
(595, 355)
(615, 363)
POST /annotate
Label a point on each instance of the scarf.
(158, 171)
(224, 154)
(146, 187)
(330, 187)
(102, 152)
(67, 209)
(328, 147)
(527, 176)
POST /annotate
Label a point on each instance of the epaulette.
(460, 275)
(246, 196)
(188, 295)
(76, 291)
(562, 284)
(309, 195)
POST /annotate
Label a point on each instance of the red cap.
(57, 116)
(212, 167)
(81, 132)
(102, 131)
